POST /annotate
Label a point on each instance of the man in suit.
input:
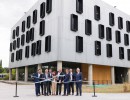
(66, 82)
(46, 83)
(71, 84)
(41, 84)
(50, 83)
(36, 77)
(59, 80)
(78, 79)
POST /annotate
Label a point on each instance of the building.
(88, 34)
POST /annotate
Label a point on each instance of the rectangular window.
(108, 34)
(42, 10)
(22, 40)
(42, 28)
(88, 27)
(12, 57)
(118, 37)
(128, 26)
(79, 44)
(97, 48)
(48, 44)
(38, 49)
(79, 6)
(121, 53)
(20, 54)
(74, 22)
(18, 42)
(13, 35)
(28, 21)
(32, 34)
(27, 52)
(109, 50)
(34, 16)
(120, 22)
(14, 44)
(97, 12)
(17, 31)
(128, 54)
(101, 31)
(126, 39)
(48, 6)
(27, 36)
(33, 49)
(17, 55)
(23, 26)
(111, 19)
(11, 47)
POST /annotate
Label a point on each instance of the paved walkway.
(26, 92)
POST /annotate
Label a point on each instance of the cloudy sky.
(12, 10)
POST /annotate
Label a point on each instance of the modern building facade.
(88, 34)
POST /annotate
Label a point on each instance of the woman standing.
(54, 80)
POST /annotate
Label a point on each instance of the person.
(54, 83)
(78, 79)
(59, 80)
(66, 82)
(50, 83)
(36, 77)
(46, 83)
(41, 84)
(71, 84)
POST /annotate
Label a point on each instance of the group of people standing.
(51, 82)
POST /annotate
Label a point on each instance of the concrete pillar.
(90, 74)
(26, 74)
(59, 65)
(17, 74)
(39, 66)
(10, 74)
(129, 75)
(113, 74)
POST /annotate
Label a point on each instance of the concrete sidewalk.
(26, 92)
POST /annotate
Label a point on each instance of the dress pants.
(46, 88)
(66, 88)
(79, 88)
(42, 88)
(58, 88)
(50, 84)
(37, 88)
(71, 87)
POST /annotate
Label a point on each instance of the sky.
(12, 10)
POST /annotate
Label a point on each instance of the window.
(121, 53)
(74, 22)
(108, 34)
(48, 44)
(13, 35)
(38, 49)
(88, 27)
(79, 44)
(23, 26)
(42, 10)
(28, 21)
(118, 37)
(128, 54)
(126, 39)
(14, 44)
(27, 36)
(33, 49)
(79, 6)
(101, 31)
(48, 6)
(34, 16)
(42, 28)
(111, 19)
(97, 48)
(128, 26)
(12, 57)
(22, 40)
(11, 47)
(109, 50)
(97, 12)
(27, 52)
(120, 22)
(20, 54)
(17, 55)
(18, 42)
(32, 34)
(17, 31)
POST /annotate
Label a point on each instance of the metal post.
(16, 91)
(94, 89)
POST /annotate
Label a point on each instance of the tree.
(1, 69)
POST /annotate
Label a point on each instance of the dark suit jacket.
(73, 76)
(61, 78)
(36, 79)
(67, 77)
(78, 77)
